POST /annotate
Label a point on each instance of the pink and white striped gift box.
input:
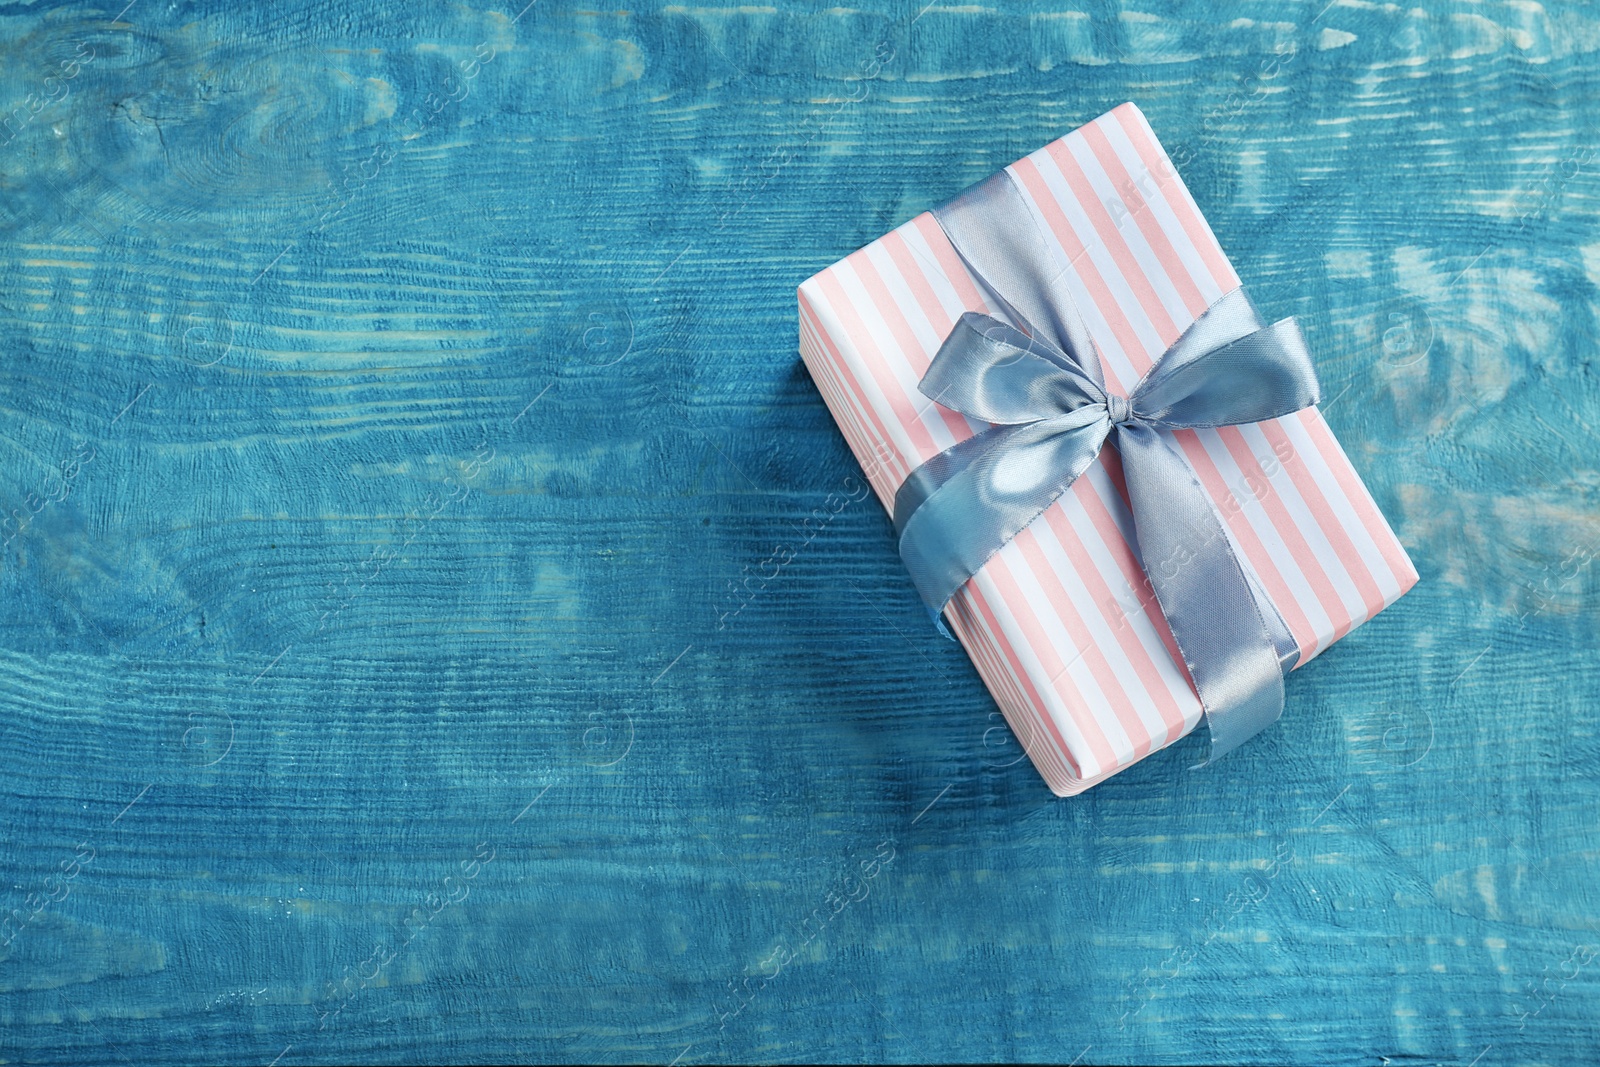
(1059, 622)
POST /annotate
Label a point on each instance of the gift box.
(1061, 622)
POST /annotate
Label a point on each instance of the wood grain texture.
(400, 412)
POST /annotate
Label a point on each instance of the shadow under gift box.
(1061, 623)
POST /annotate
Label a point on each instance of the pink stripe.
(894, 463)
(975, 637)
(1045, 652)
(1027, 683)
(1121, 255)
(848, 408)
(1088, 273)
(966, 627)
(977, 646)
(1358, 498)
(1099, 591)
(834, 296)
(911, 350)
(1305, 635)
(1137, 654)
(1293, 539)
(905, 414)
(1193, 223)
(838, 400)
(1099, 666)
(950, 263)
(1105, 525)
(917, 281)
(974, 641)
(1149, 225)
(1074, 249)
(1366, 585)
(956, 273)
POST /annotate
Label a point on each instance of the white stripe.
(1069, 750)
(928, 339)
(1105, 339)
(884, 466)
(1128, 228)
(1101, 703)
(1181, 189)
(1299, 513)
(1128, 305)
(943, 287)
(876, 401)
(1099, 619)
(1011, 695)
(1131, 598)
(1256, 516)
(1162, 209)
(1306, 451)
(1055, 707)
(894, 361)
(840, 401)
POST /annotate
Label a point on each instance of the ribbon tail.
(1254, 374)
(929, 478)
(1283, 641)
(1227, 645)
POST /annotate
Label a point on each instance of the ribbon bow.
(1037, 380)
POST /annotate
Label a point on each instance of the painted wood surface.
(400, 415)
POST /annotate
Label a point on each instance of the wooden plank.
(400, 413)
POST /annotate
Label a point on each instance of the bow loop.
(1257, 373)
(994, 372)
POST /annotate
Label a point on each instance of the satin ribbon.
(1035, 377)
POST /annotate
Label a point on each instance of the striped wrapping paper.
(1059, 623)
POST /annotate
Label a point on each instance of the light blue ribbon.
(1037, 380)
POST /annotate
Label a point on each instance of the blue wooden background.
(400, 414)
